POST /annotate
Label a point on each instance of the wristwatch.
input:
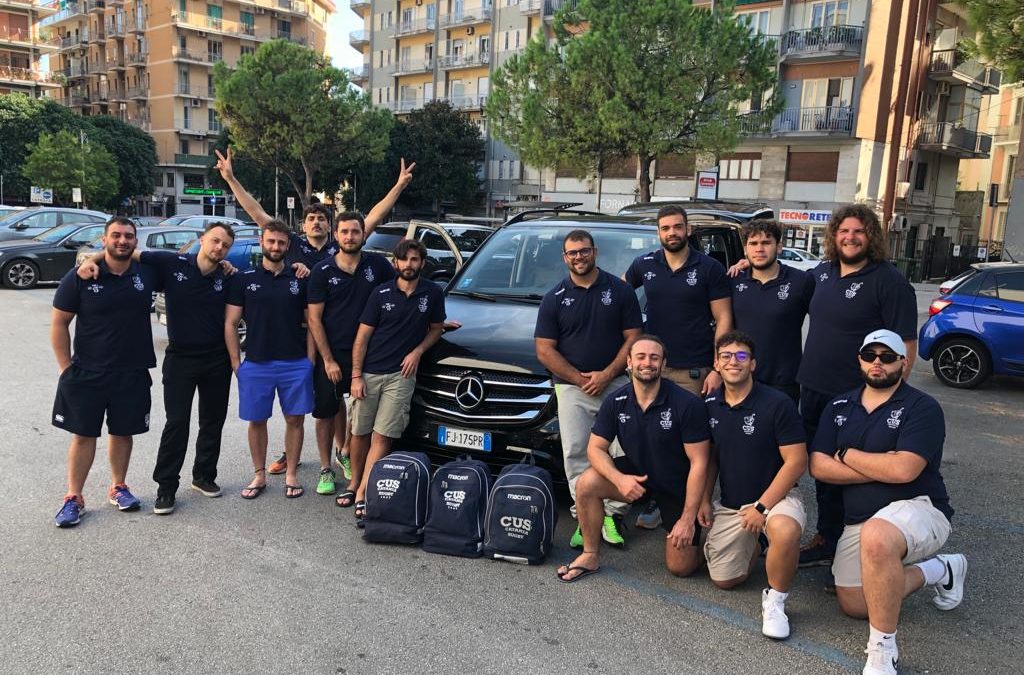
(761, 508)
(841, 455)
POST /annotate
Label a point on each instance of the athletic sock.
(777, 595)
(877, 636)
(934, 571)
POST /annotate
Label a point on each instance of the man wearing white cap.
(882, 444)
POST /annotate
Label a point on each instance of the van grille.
(508, 398)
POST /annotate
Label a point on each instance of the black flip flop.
(290, 491)
(350, 495)
(254, 492)
(583, 572)
(360, 513)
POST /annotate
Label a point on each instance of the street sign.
(291, 203)
(707, 185)
(41, 195)
(982, 253)
(956, 250)
(76, 195)
(207, 192)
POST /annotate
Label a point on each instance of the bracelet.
(356, 377)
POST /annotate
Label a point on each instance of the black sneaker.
(817, 552)
(207, 487)
(164, 505)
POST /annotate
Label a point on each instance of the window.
(675, 166)
(1010, 286)
(248, 50)
(170, 176)
(1011, 165)
(921, 176)
(822, 92)
(831, 13)
(248, 23)
(812, 167)
(172, 241)
(158, 180)
(284, 29)
(186, 121)
(215, 51)
(485, 44)
(740, 166)
(757, 21)
(433, 241)
(183, 147)
(40, 221)
(214, 15)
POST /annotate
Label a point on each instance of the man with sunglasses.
(584, 328)
(882, 445)
(758, 454)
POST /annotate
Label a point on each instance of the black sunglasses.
(888, 358)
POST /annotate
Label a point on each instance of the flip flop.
(293, 491)
(583, 572)
(360, 513)
(253, 492)
(349, 495)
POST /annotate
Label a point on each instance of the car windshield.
(468, 239)
(527, 261)
(55, 234)
(385, 239)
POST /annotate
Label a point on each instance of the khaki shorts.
(729, 548)
(681, 376)
(923, 526)
(386, 406)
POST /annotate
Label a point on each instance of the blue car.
(976, 327)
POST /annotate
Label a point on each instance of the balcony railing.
(136, 24)
(19, 35)
(190, 127)
(467, 16)
(75, 70)
(359, 74)
(824, 41)
(115, 63)
(358, 38)
(531, 6)
(414, 66)
(137, 58)
(117, 94)
(139, 91)
(828, 120)
(953, 138)
(98, 6)
(405, 106)
(952, 65)
(193, 160)
(356, 5)
(70, 10)
(28, 75)
(97, 35)
(100, 95)
(116, 30)
(79, 99)
(467, 102)
(75, 41)
(97, 67)
(469, 60)
(193, 90)
(195, 55)
(417, 26)
(139, 122)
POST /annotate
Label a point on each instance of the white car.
(802, 260)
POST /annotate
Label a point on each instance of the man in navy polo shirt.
(664, 436)
(402, 319)
(758, 454)
(338, 290)
(108, 374)
(769, 303)
(584, 327)
(856, 291)
(279, 355)
(881, 445)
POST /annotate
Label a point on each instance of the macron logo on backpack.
(396, 498)
(521, 515)
(456, 509)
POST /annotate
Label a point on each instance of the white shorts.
(729, 548)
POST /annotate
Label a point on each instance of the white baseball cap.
(887, 338)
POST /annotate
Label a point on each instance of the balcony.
(414, 66)
(138, 92)
(98, 96)
(136, 24)
(79, 99)
(823, 44)
(282, 35)
(529, 7)
(471, 60)
(97, 6)
(75, 70)
(97, 67)
(116, 31)
(137, 59)
(951, 65)
(75, 41)
(97, 36)
(189, 128)
(360, 74)
(115, 63)
(467, 17)
(195, 56)
(405, 106)
(71, 10)
(467, 102)
(193, 91)
(43, 8)
(359, 6)
(359, 38)
(951, 138)
(117, 94)
(823, 121)
(291, 6)
(193, 160)
(28, 76)
(16, 36)
(139, 123)
(428, 25)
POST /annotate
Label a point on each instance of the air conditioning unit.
(260, 10)
(419, 3)
(899, 224)
(942, 89)
(196, 103)
(902, 188)
(470, 30)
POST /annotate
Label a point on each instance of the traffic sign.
(291, 203)
(76, 195)
(41, 195)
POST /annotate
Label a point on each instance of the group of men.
(718, 389)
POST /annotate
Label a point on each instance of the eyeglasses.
(580, 253)
(888, 358)
(741, 357)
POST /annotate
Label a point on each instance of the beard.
(883, 382)
(674, 245)
(410, 273)
(854, 259)
(114, 253)
(765, 265)
(588, 267)
(350, 248)
(647, 376)
(273, 256)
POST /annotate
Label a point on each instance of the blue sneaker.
(71, 513)
(123, 499)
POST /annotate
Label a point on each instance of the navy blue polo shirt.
(746, 440)
(400, 323)
(113, 332)
(844, 310)
(300, 250)
(195, 303)
(679, 304)
(653, 439)
(911, 421)
(273, 307)
(344, 295)
(588, 322)
(773, 315)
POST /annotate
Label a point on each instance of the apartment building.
(151, 65)
(23, 45)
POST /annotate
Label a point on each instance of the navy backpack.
(396, 498)
(456, 508)
(521, 514)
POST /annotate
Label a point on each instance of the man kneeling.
(664, 434)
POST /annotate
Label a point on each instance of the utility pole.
(277, 213)
(81, 140)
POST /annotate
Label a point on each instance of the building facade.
(151, 65)
(23, 45)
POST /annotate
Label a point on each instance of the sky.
(338, 27)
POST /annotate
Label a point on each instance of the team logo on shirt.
(851, 292)
(369, 274)
(180, 276)
(823, 276)
(218, 285)
(742, 287)
(623, 418)
(840, 419)
(293, 286)
(666, 419)
(253, 287)
(147, 420)
(748, 424)
(95, 288)
(783, 291)
(713, 422)
(137, 282)
(423, 305)
(334, 281)
(568, 301)
(606, 297)
(691, 277)
(894, 419)
(649, 275)
(388, 306)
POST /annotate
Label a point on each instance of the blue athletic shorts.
(257, 382)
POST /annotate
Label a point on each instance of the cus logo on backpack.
(521, 514)
(396, 499)
(456, 509)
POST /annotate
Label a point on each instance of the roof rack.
(536, 213)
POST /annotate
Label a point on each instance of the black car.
(739, 212)
(496, 296)
(449, 245)
(45, 257)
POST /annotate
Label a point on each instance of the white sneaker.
(774, 622)
(950, 594)
(882, 659)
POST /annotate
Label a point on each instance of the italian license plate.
(464, 438)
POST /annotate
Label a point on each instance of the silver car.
(27, 223)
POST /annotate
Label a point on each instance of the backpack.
(521, 514)
(456, 508)
(396, 498)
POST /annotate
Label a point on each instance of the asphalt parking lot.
(275, 585)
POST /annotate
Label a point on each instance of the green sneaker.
(344, 463)
(611, 531)
(577, 539)
(326, 484)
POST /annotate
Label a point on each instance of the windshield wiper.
(524, 296)
(474, 294)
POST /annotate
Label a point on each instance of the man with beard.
(402, 319)
(881, 446)
(279, 354)
(196, 359)
(758, 454)
(584, 327)
(108, 373)
(769, 303)
(664, 435)
(338, 290)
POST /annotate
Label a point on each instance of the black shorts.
(85, 396)
(327, 396)
(669, 503)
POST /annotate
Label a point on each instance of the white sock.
(876, 636)
(776, 596)
(934, 571)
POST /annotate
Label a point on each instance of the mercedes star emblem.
(469, 392)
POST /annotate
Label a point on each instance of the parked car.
(147, 221)
(496, 296)
(157, 238)
(27, 223)
(800, 259)
(976, 328)
(200, 222)
(449, 245)
(46, 257)
(738, 211)
(6, 210)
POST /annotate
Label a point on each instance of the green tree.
(640, 79)
(257, 179)
(289, 108)
(22, 120)
(134, 152)
(61, 162)
(1000, 25)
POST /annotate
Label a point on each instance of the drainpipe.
(899, 111)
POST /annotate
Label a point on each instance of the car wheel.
(21, 274)
(962, 363)
(242, 333)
